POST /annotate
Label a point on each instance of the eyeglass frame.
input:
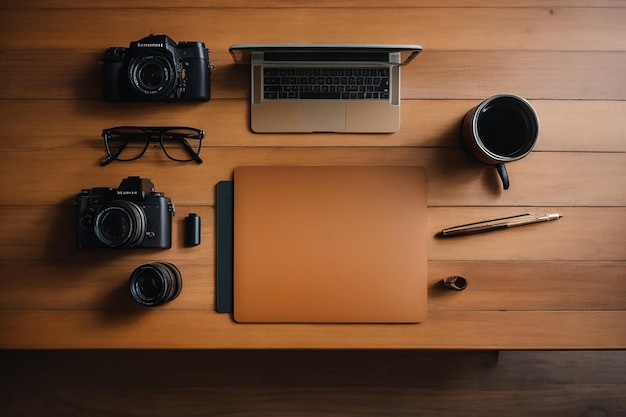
(150, 132)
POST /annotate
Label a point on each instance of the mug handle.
(503, 175)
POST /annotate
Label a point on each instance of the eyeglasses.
(127, 143)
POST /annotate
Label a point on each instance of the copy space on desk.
(330, 244)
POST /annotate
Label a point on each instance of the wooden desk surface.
(560, 285)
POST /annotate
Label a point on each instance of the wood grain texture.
(425, 124)
(463, 28)
(312, 383)
(330, 4)
(434, 74)
(584, 234)
(542, 179)
(525, 286)
(197, 329)
(553, 286)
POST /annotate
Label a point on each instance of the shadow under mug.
(503, 128)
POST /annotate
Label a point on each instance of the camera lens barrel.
(155, 283)
(120, 224)
(153, 76)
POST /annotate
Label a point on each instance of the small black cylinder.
(192, 230)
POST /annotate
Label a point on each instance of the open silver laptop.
(325, 87)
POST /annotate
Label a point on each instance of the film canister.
(192, 230)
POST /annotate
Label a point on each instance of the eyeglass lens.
(181, 144)
(128, 143)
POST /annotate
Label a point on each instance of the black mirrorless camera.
(130, 216)
(155, 68)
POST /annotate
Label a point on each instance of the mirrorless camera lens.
(153, 77)
(155, 283)
(120, 224)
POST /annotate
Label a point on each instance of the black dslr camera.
(130, 216)
(155, 68)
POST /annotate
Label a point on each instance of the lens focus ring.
(156, 283)
(120, 224)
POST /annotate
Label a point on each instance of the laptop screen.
(324, 52)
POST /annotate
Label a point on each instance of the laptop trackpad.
(323, 116)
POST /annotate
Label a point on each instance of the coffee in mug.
(503, 128)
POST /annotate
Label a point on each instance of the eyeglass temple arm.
(112, 157)
(190, 150)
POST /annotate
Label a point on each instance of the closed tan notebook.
(330, 244)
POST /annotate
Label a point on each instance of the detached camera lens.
(156, 283)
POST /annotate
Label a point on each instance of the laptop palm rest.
(299, 116)
(324, 116)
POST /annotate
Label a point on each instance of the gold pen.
(498, 224)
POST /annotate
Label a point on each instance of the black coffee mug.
(503, 128)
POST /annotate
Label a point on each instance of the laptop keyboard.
(325, 83)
